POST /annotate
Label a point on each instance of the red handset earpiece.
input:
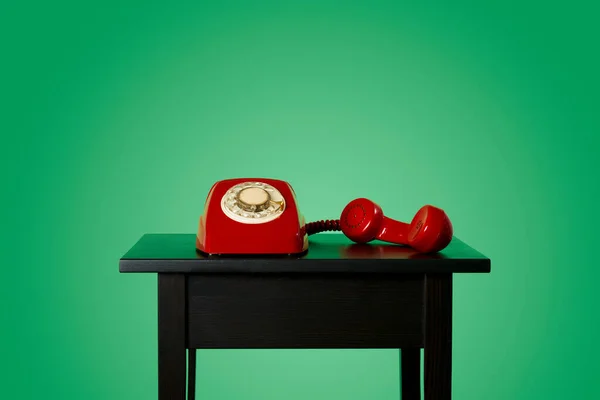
(429, 231)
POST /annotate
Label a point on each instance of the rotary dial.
(253, 203)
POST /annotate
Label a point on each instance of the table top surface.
(328, 252)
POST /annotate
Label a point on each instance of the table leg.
(171, 337)
(410, 367)
(191, 374)
(438, 337)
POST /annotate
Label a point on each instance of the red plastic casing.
(430, 230)
(220, 235)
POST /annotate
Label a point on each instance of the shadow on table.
(384, 251)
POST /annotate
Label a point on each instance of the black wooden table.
(339, 295)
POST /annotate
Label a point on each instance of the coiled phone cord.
(322, 226)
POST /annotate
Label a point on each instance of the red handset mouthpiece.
(362, 220)
(430, 230)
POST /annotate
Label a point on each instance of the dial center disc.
(253, 199)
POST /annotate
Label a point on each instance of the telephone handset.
(246, 216)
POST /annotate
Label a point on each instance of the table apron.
(304, 311)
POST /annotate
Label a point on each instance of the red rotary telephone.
(247, 216)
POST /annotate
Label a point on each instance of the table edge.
(299, 266)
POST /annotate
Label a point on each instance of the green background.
(118, 117)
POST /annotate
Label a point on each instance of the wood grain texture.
(438, 337)
(410, 373)
(308, 311)
(171, 337)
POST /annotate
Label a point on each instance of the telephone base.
(204, 254)
(251, 217)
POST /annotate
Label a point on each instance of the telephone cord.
(322, 226)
